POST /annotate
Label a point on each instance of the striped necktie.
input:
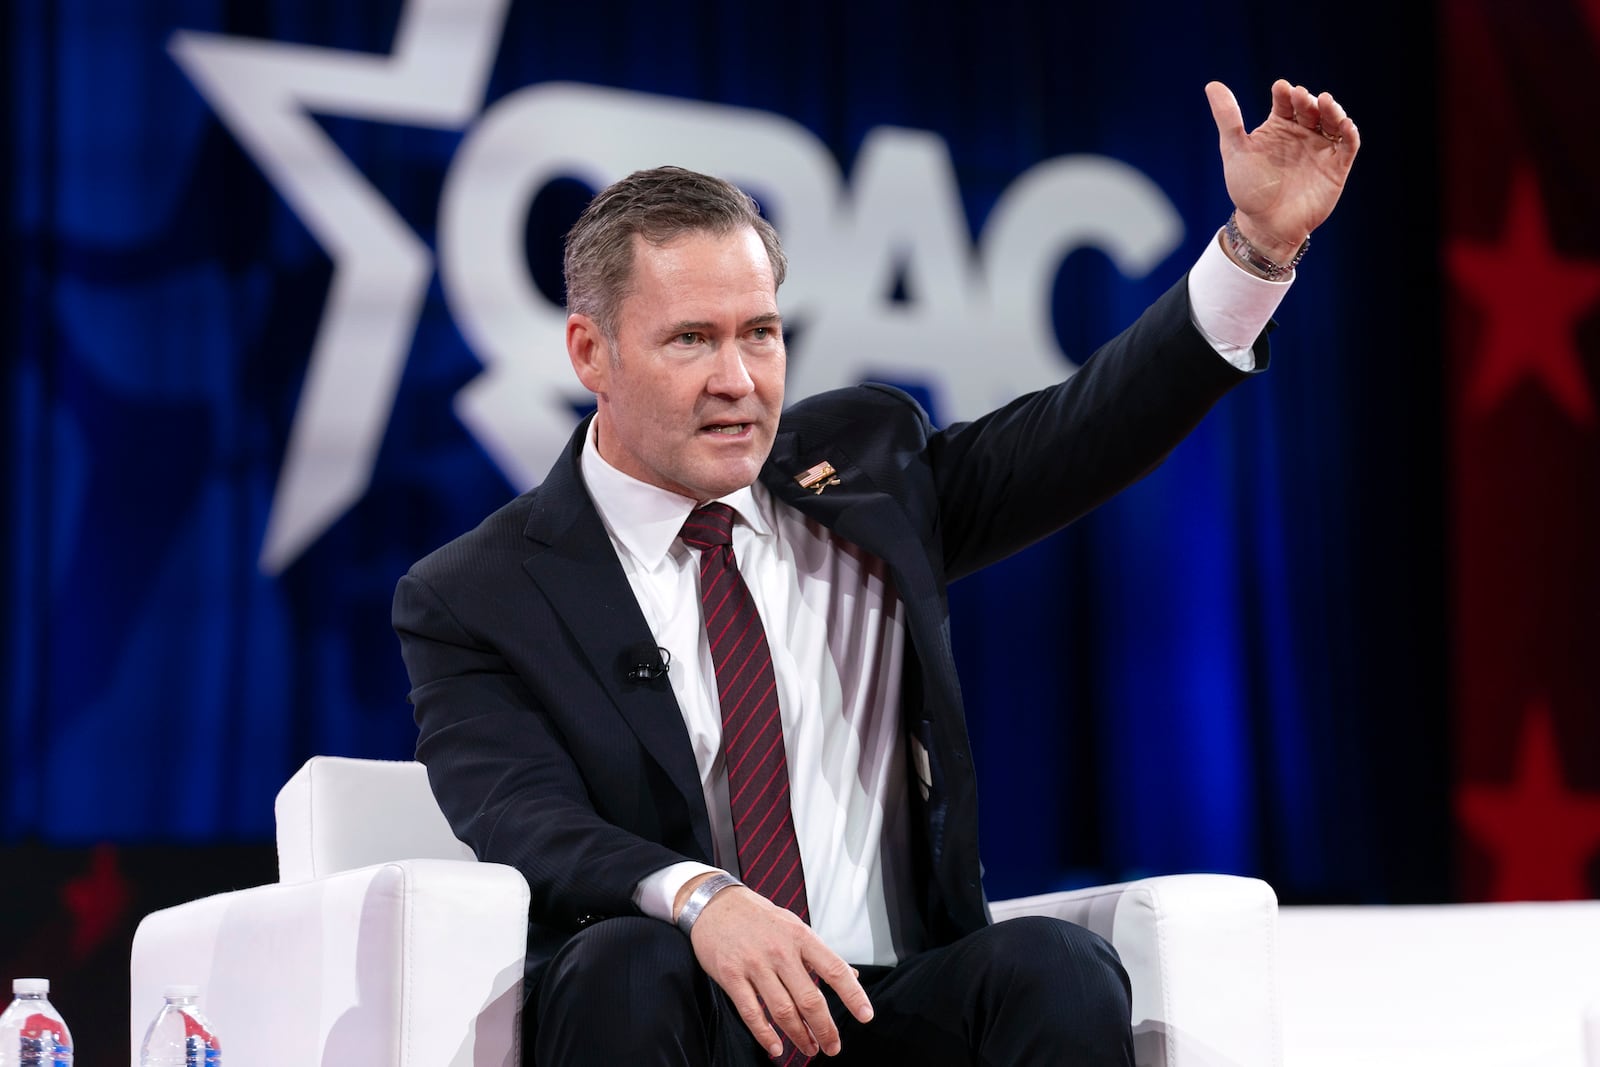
(752, 730)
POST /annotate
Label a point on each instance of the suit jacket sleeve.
(498, 757)
(1021, 472)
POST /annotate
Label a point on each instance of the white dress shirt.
(834, 625)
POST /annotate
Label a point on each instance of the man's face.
(690, 399)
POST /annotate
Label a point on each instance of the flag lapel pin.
(818, 478)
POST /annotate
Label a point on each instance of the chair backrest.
(337, 814)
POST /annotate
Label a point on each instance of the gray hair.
(658, 205)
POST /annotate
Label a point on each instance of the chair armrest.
(338, 814)
(416, 963)
(1200, 952)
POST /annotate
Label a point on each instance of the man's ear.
(589, 352)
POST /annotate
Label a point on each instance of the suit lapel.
(874, 520)
(855, 509)
(576, 568)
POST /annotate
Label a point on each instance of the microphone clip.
(646, 663)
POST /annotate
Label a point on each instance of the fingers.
(1330, 115)
(843, 979)
(1319, 114)
(1337, 126)
(748, 1005)
(1326, 117)
(1282, 100)
(798, 1008)
(1306, 112)
(786, 999)
(1351, 143)
(1225, 113)
(790, 1004)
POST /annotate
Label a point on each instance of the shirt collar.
(644, 519)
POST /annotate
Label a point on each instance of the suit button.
(588, 920)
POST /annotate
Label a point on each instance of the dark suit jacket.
(517, 635)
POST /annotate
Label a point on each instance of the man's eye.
(688, 338)
(761, 333)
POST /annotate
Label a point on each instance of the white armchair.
(385, 943)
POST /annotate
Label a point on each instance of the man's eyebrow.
(771, 318)
(688, 326)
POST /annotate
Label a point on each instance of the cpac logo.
(978, 332)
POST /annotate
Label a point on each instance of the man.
(698, 688)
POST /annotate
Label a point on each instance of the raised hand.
(764, 958)
(1285, 176)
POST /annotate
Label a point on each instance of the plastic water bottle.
(31, 1031)
(180, 1036)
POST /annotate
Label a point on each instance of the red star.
(97, 900)
(1541, 834)
(1533, 299)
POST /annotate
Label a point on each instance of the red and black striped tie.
(752, 730)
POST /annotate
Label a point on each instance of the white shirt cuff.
(1229, 305)
(656, 892)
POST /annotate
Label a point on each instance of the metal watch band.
(1239, 247)
(701, 897)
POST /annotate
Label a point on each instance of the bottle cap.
(20, 986)
(181, 992)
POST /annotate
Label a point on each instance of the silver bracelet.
(1239, 246)
(701, 897)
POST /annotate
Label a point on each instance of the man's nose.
(729, 377)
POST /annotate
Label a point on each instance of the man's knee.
(621, 991)
(1070, 980)
(1037, 948)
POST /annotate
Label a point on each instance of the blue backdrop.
(1235, 666)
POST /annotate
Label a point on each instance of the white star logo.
(266, 93)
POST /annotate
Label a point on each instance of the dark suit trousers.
(1030, 991)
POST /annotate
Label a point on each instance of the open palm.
(1286, 175)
